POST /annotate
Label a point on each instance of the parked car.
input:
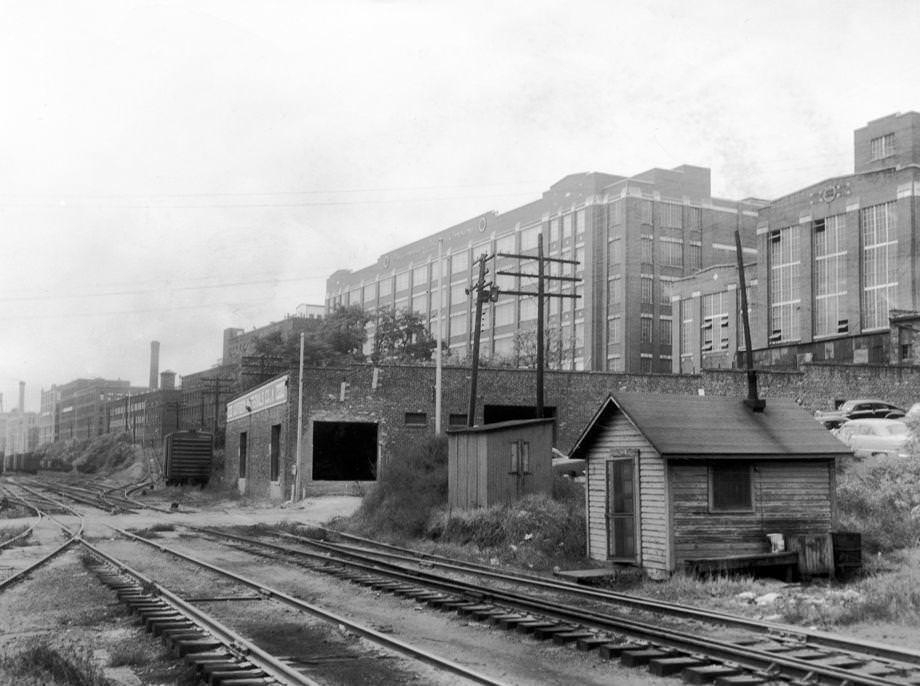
(867, 437)
(861, 408)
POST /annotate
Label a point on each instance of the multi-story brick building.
(840, 257)
(146, 417)
(837, 277)
(631, 236)
(77, 410)
(239, 343)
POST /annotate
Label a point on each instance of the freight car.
(188, 457)
(27, 463)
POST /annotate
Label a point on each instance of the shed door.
(621, 510)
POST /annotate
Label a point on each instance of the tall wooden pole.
(753, 400)
(297, 462)
(478, 293)
(540, 291)
(437, 354)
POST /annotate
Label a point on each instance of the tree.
(557, 351)
(338, 340)
(402, 336)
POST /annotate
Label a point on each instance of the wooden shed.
(499, 463)
(673, 479)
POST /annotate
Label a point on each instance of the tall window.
(714, 329)
(830, 274)
(686, 327)
(402, 281)
(420, 277)
(664, 331)
(669, 214)
(580, 226)
(645, 211)
(671, 252)
(459, 263)
(882, 147)
(647, 249)
(647, 288)
(614, 330)
(615, 252)
(694, 255)
(615, 290)
(880, 249)
(645, 330)
(785, 261)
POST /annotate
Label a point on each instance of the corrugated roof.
(708, 426)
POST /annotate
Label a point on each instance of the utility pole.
(215, 385)
(540, 294)
(484, 292)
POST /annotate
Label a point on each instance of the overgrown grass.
(47, 665)
(134, 655)
(880, 498)
(102, 454)
(408, 491)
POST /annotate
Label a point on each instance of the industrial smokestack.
(22, 397)
(154, 364)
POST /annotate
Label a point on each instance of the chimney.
(22, 397)
(154, 364)
(167, 381)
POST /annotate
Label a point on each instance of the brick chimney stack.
(154, 365)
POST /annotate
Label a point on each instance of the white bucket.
(777, 544)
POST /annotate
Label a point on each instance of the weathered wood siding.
(790, 497)
(465, 479)
(614, 433)
(502, 487)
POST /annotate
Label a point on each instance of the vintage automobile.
(867, 437)
(861, 408)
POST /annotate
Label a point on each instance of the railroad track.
(755, 657)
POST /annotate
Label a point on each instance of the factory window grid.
(615, 213)
(670, 214)
(645, 329)
(645, 211)
(420, 277)
(784, 266)
(830, 274)
(664, 290)
(694, 255)
(530, 237)
(714, 328)
(645, 363)
(528, 309)
(567, 228)
(580, 225)
(616, 363)
(646, 284)
(880, 247)
(671, 252)
(695, 218)
(686, 327)
(664, 330)
(420, 304)
(504, 313)
(460, 263)
(614, 330)
(505, 243)
(402, 282)
(385, 287)
(615, 252)
(882, 147)
(647, 245)
(554, 233)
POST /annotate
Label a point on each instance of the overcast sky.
(169, 169)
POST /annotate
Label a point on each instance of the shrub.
(537, 531)
(880, 497)
(45, 664)
(408, 489)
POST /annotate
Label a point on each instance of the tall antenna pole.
(753, 400)
(540, 290)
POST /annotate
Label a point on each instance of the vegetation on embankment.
(409, 502)
(99, 455)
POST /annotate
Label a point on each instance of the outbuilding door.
(621, 509)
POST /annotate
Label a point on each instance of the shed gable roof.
(705, 426)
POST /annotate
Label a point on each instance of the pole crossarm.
(504, 291)
(548, 277)
(559, 260)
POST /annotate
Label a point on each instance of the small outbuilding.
(499, 463)
(673, 479)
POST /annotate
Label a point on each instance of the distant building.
(149, 416)
(239, 343)
(77, 410)
(631, 237)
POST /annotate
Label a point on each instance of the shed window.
(730, 488)
(457, 419)
(520, 457)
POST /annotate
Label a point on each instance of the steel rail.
(28, 531)
(750, 658)
(74, 538)
(262, 659)
(808, 636)
(315, 610)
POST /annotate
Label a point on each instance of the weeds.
(15, 532)
(132, 655)
(44, 664)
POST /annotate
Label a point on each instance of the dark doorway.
(344, 451)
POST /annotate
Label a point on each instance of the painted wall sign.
(258, 399)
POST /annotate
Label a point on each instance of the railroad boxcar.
(188, 456)
(27, 463)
